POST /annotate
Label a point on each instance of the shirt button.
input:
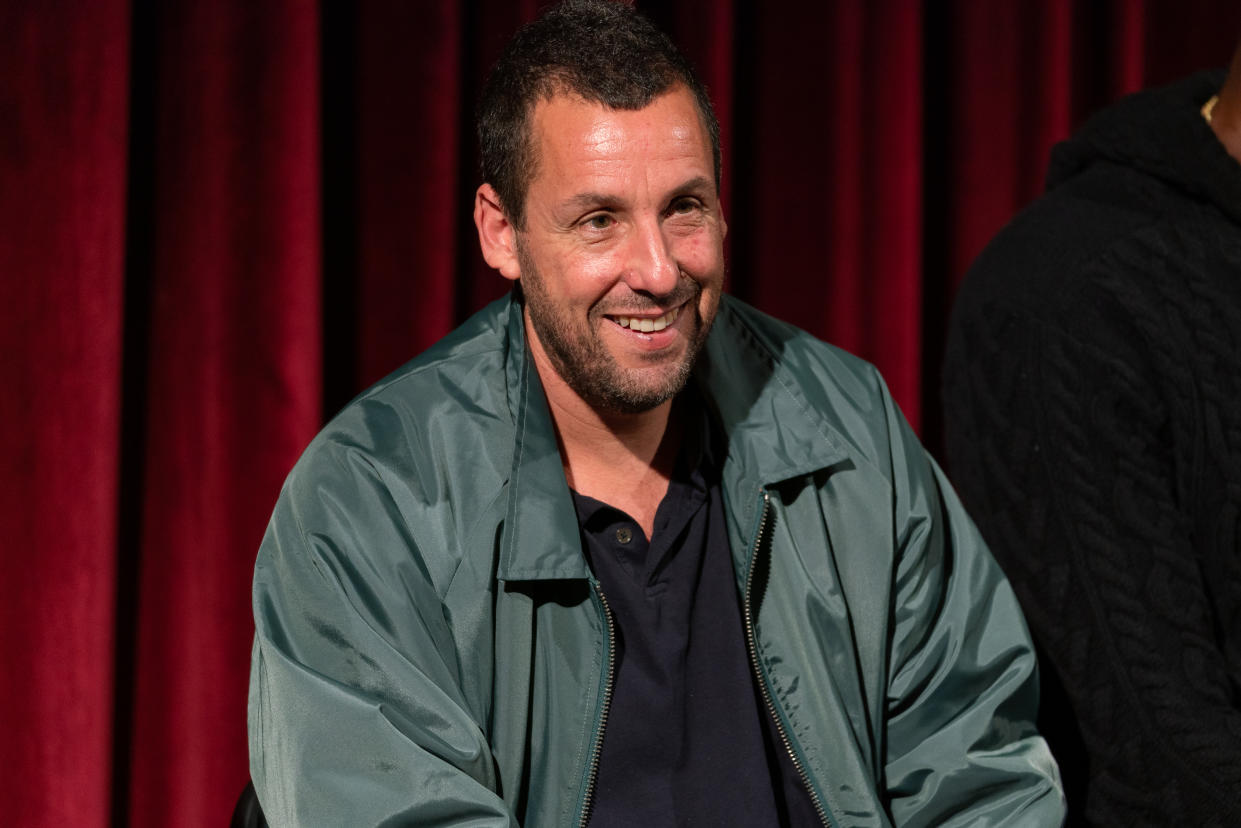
(623, 535)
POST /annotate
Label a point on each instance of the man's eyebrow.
(594, 199)
(696, 184)
(589, 199)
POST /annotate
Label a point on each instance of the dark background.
(220, 219)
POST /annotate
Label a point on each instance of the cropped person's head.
(602, 51)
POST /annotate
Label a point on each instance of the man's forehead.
(569, 128)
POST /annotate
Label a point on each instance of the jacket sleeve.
(356, 713)
(1067, 448)
(961, 744)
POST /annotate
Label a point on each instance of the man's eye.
(600, 221)
(683, 206)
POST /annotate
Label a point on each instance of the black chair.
(248, 814)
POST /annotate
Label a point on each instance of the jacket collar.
(540, 536)
(773, 434)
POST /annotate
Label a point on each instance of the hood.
(1159, 132)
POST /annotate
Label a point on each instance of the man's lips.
(646, 324)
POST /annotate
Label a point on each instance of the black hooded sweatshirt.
(1092, 399)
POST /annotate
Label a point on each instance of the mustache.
(642, 302)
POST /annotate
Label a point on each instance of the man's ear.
(496, 235)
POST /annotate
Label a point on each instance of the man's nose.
(652, 267)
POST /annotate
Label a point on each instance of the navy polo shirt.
(688, 740)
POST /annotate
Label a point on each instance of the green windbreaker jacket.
(432, 649)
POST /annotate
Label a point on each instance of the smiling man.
(621, 550)
(619, 252)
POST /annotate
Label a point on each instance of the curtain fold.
(827, 231)
(222, 219)
(408, 200)
(232, 375)
(64, 78)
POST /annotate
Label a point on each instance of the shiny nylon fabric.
(430, 648)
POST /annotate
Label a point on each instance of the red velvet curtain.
(220, 219)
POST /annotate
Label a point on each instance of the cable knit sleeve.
(1096, 449)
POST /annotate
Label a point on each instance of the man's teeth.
(647, 325)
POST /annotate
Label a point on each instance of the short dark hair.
(603, 51)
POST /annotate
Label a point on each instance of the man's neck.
(1226, 116)
(624, 460)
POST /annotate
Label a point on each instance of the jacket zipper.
(593, 767)
(752, 646)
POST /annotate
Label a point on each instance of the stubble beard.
(588, 367)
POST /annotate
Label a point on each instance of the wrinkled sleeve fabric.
(1067, 446)
(356, 712)
(961, 744)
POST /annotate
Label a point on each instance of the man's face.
(622, 258)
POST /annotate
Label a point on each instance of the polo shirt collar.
(772, 435)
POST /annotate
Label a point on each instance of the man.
(1093, 403)
(620, 550)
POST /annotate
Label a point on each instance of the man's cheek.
(703, 252)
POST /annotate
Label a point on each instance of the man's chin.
(642, 382)
(628, 404)
(637, 392)
(613, 378)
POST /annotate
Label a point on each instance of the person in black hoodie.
(1092, 398)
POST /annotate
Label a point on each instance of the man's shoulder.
(475, 351)
(799, 357)
(446, 408)
(783, 339)
(1046, 247)
(1092, 258)
(775, 376)
(1109, 220)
